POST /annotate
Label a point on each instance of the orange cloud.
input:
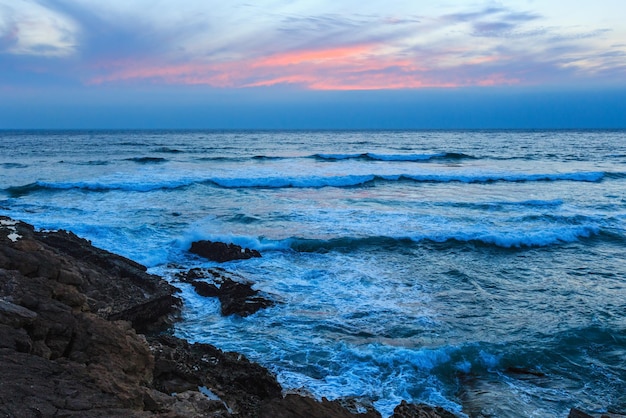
(359, 67)
(319, 56)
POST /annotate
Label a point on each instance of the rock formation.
(222, 252)
(235, 294)
(71, 343)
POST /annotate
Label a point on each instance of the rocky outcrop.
(295, 406)
(235, 384)
(221, 252)
(407, 410)
(80, 275)
(69, 343)
(236, 295)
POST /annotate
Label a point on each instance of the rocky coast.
(84, 332)
(87, 333)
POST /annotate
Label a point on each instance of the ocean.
(482, 271)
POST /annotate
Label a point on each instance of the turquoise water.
(483, 271)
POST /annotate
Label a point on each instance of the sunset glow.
(95, 49)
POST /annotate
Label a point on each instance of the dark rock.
(295, 406)
(240, 385)
(60, 355)
(69, 269)
(577, 413)
(69, 346)
(234, 292)
(205, 289)
(408, 410)
(241, 299)
(138, 297)
(14, 315)
(221, 252)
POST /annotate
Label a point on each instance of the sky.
(305, 64)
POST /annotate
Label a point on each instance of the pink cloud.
(357, 67)
(316, 56)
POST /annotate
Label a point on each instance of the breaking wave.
(395, 157)
(303, 181)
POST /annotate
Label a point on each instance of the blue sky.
(312, 64)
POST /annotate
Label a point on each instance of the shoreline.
(85, 332)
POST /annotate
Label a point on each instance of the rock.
(294, 406)
(577, 413)
(69, 342)
(239, 385)
(221, 252)
(71, 270)
(235, 293)
(408, 410)
(139, 297)
(60, 354)
(15, 316)
(240, 299)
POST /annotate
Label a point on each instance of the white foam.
(9, 225)
(14, 236)
(281, 177)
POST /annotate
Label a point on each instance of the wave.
(505, 239)
(394, 157)
(362, 156)
(147, 160)
(359, 180)
(13, 165)
(301, 182)
(555, 203)
(41, 186)
(501, 239)
(266, 157)
(95, 162)
(167, 150)
(89, 163)
(230, 159)
(615, 175)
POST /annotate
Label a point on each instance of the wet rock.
(408, 410)
(234, 292)
(69, 343)
(577, 413)
(294, 406)
(222, 252)
(238, 385)
(240, 299)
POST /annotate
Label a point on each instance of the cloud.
(239, 45)
(27, 28)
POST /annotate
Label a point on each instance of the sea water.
(483, 271)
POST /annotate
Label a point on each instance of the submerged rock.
(222, 252)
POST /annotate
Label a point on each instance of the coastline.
(84, 332)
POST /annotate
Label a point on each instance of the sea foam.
(340, 181)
